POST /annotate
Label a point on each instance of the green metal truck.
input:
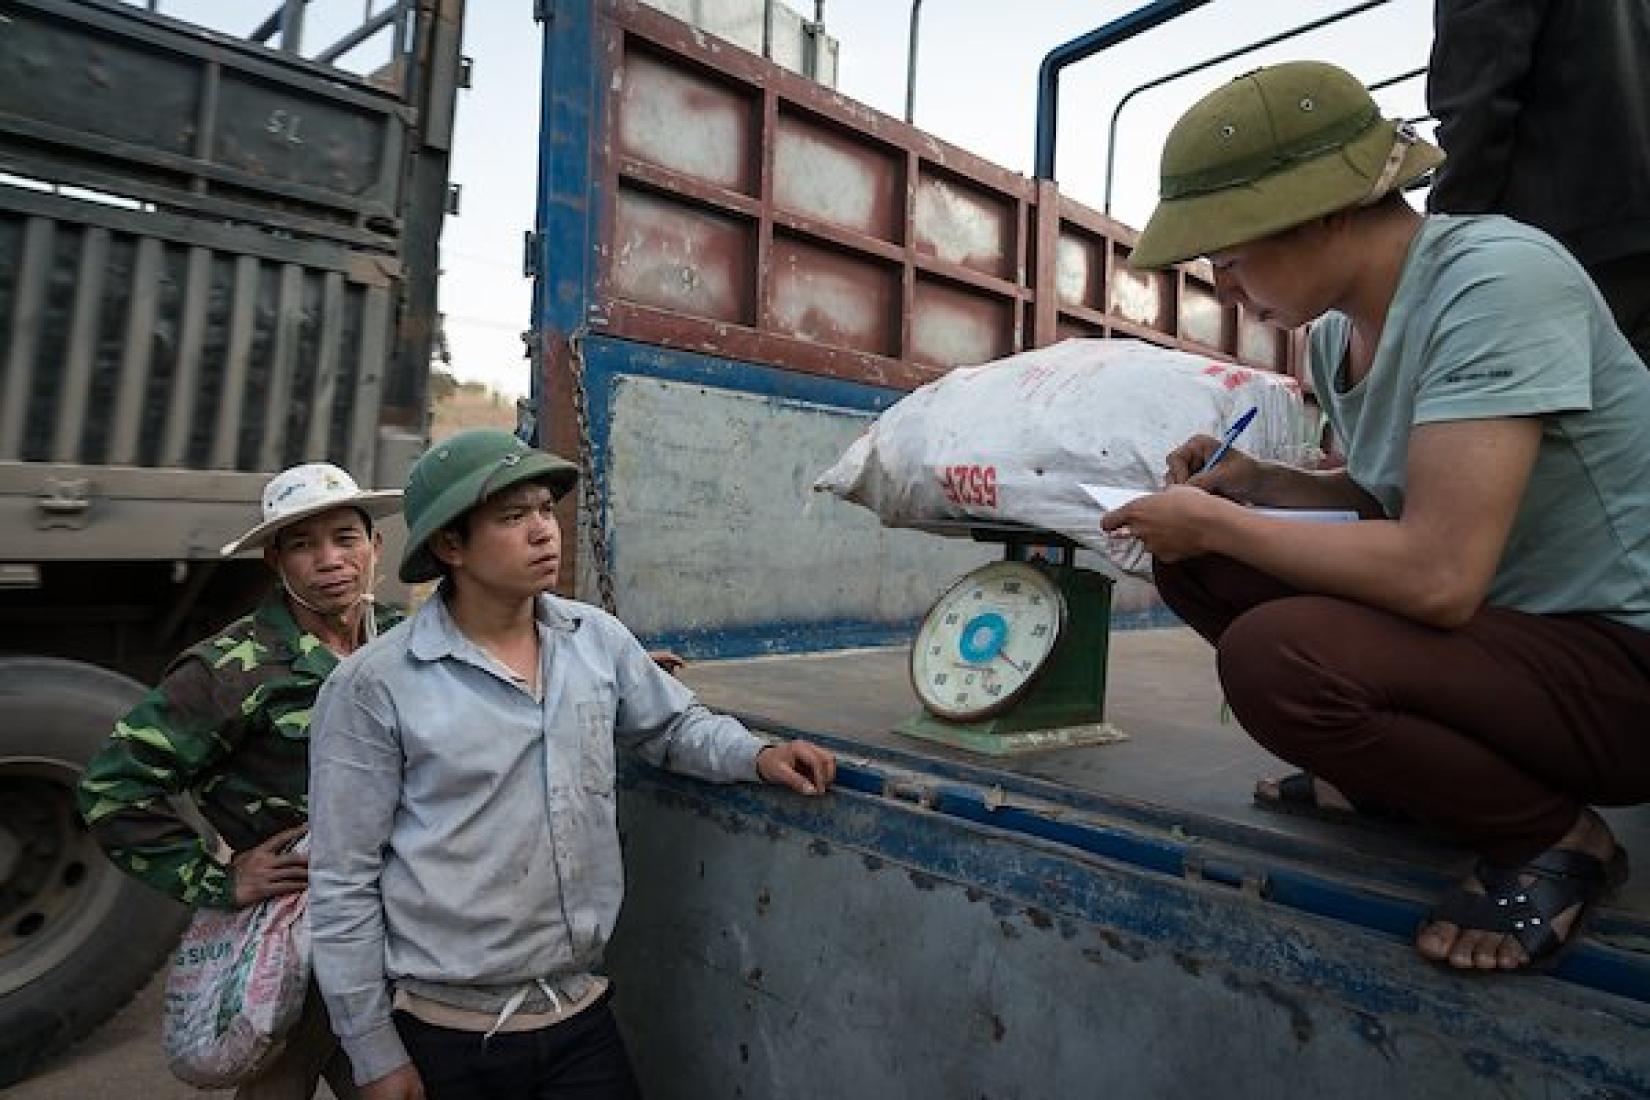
(217, 258)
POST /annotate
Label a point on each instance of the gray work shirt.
(463, 831)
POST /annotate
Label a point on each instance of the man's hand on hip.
(266, 872)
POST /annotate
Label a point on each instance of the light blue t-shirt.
(1493, 319)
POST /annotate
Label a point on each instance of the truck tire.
(77, 937)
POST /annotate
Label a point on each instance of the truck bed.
(1182, 771)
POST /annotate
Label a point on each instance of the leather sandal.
(1298, 795)
(1558, 880)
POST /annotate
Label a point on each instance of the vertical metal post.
(1143, 18)
(815, 48)
(911, 63)
(767, 29)
(1209, 62)
(292, 26)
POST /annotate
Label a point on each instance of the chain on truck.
(217, 259)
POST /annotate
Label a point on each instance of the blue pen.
(1230, 438)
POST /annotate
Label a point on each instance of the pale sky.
(976, 87)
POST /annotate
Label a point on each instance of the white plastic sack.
(1014, 440)
(236, 987)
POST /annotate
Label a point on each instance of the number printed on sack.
(970, 484)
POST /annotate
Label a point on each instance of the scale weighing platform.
(1012, 657)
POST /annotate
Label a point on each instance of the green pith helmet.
(459, 473)
(1269, 151)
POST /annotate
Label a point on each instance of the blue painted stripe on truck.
(569, 113)
(1589, 964)
(1162, 902)
(763, 639)
(1374, 973)
(608, 356)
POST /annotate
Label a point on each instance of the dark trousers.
(1625, 284)
(1497, 733)
(582, 1058)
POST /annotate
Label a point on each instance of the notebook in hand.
(1111, 496)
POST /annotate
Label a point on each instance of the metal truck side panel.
(698, 200)
(147, 339)
(723, 548)
(95, 92)
(912, 952)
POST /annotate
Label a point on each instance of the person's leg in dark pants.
(1502, 732)
(449, 1061)
(585, 1059)
(579, 1059)
(1499, 733)
(1208, 592)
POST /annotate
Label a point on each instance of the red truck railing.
(757, 215)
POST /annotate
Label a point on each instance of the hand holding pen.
(1229, 438)
(1213, 464)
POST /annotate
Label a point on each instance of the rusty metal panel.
(837, 177)
(750, 213)
(965, 224)
(1143, 297)
(1262, 344)
(1075, 328)
(135, 338)
(679, 257)
(833, 297)
(955, 326)
(681, 118)
(1203, 318)
(1080, 269)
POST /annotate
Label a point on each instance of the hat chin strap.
(368, 619)
(1402, 139)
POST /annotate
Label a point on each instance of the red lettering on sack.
(967, 484)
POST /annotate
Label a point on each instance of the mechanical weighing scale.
(1012, 657)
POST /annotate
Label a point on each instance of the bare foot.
(1477, 949)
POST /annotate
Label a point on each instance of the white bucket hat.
(309, 490)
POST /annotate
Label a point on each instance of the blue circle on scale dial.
(982, 637)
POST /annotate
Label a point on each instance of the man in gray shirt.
(464, 868)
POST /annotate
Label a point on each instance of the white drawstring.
(519, 998)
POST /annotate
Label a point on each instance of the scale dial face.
(984, 641)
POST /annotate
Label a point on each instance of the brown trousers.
(1497, 733)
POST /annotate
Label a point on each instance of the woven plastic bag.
(1016, 439)
(236, 987)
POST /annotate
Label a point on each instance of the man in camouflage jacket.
(228, 726)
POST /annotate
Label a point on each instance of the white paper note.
(1112, 496)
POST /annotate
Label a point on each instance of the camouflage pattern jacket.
(228, 724)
